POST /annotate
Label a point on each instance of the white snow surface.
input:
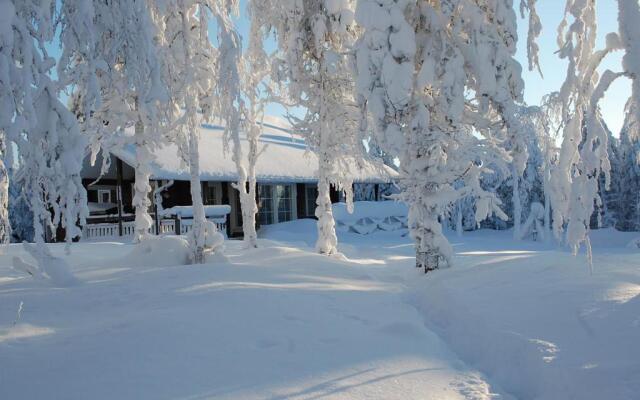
(285, 159)
(512, 320)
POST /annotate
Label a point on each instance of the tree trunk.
(197, 234)
(459, 227)
(546, 187)
(141, 202)
(119, 194)
(423, 226)
(5, 226)
(327, 240)
(249, 211)
(517, 207)
(246, 185)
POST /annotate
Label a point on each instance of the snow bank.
(49, 268)
(538, 324)
(634, 244)
(159, 251)
(300, 232)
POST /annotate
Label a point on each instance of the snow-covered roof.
(286, 158)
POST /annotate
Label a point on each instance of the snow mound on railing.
(371, 216)
(187, 211)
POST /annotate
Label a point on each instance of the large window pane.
(284, 203)
(210, 195)
(310, 199)
(265, 213)
(276, 203)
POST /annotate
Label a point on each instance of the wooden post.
(257, 204)
(225, 200)
(155, 196)
(157, 220)
(377, 191)
(119, 194)
(177, 225)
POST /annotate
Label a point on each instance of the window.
(311, 193)
(239, 219)
(265, 213)
(284, 201)
(104, 196)
(210, 194)
(276, 203)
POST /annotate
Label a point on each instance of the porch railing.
(166, 227)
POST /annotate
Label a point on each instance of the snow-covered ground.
(516, 320)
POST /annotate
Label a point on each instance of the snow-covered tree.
(13, 34)
(628, 17)
(111, 57)
(239, 104)
(20, 214)
(583, 159)
(5, 196)
(625, 185)
(549, 123)
(50, 146)
(192, 73)
(609, 208)
(417, 61)
(255, 66)
(313, 64)
(532, 183)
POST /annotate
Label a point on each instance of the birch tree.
(255, 66)
(314, 39)
(31, 116)
(416, 60)
(192, 72)
(584, 153)
(110, 56)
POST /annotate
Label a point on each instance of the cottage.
(286, 175)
